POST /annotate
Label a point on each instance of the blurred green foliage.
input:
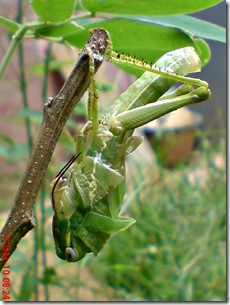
(176, 251)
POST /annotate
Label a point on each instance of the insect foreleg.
(93, 93)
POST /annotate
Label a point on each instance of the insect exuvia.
(88, 201)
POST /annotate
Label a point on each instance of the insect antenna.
(61, 173)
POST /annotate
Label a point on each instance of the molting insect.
(88, 200)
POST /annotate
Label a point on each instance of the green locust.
(88, 200)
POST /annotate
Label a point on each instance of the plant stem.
(14, 43)
(16, 38)
(9, 24)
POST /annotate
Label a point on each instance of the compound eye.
(70, 255)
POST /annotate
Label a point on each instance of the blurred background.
(176, 250)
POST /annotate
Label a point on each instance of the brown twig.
(56, 112)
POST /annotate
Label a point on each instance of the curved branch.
(56, 112)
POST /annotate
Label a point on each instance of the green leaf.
(53, 11)
(145, 38)
(61, 30)
(195, 26)
(148, 41)
(147, 7)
